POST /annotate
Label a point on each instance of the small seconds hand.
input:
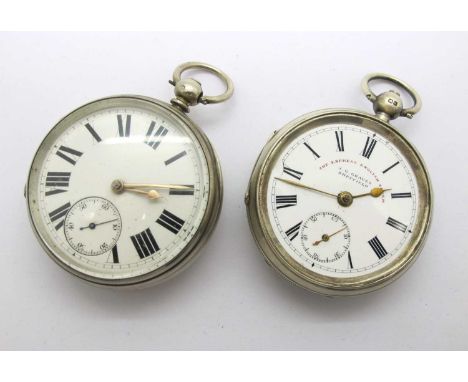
(93, 225)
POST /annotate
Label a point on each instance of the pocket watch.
(339, 202)
(126, 189)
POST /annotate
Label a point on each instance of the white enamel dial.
(110, 235)
(303, 205)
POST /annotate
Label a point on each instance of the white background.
(229, 298)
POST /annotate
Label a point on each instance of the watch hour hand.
(150, 194)
(375, 192)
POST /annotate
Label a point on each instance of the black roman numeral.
(58, 215)
(154, 138)
(63, 149)
(294, 173)
(93, 132)
(350, 261)
(339, 140)
(174, 191)
(171, 222)
(401, 195)
(389, 168)
(128, 121)
(377, 247)
(369, 147)
(312, 150)
(396, 224)
(283, 201)
(57, 179)
(292, 232)
(175, 157)
(145, 243)
(115, 255)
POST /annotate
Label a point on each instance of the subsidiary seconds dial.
(325, 237)
(93, 226)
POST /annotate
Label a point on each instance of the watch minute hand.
(292, 182)
(154, 185)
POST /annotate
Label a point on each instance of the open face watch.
(339, 202)
(124, 190)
